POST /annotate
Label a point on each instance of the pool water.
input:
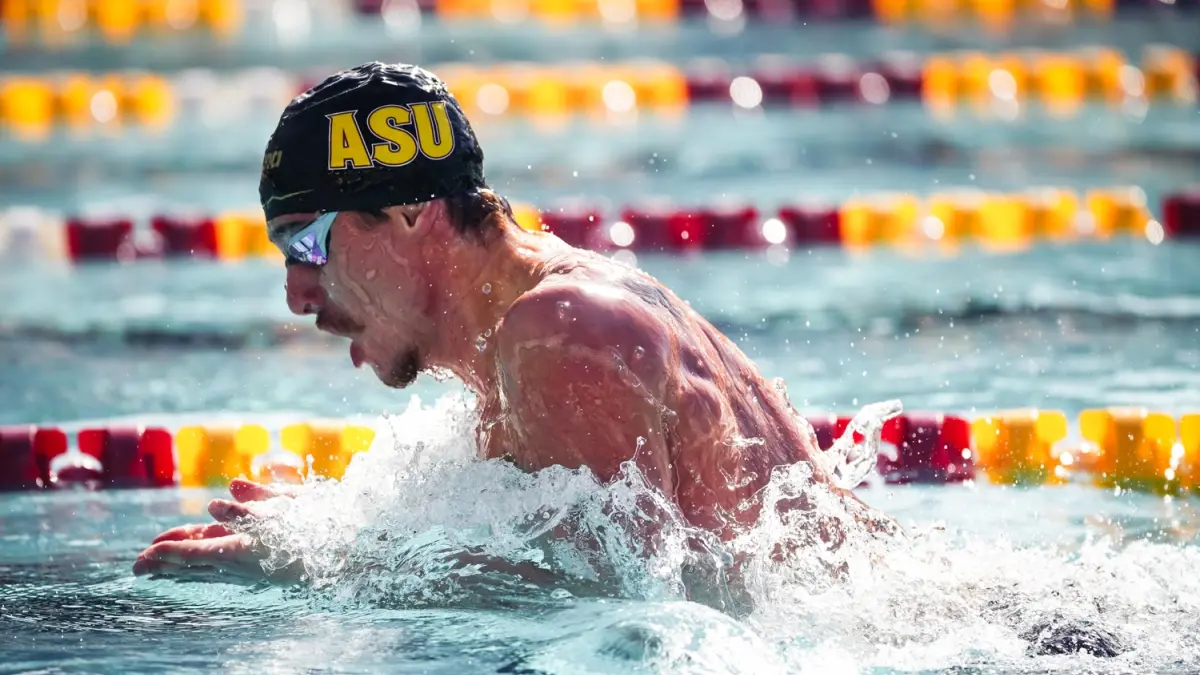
(987, 579)
(1010, 562)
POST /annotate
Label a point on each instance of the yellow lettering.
(346, 146)
(273, 159)
(399, 146)
(433, 129)
(347, 149)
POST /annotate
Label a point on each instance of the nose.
(304, 292)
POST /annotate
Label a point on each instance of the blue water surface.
(987, 579)
(1064, 327)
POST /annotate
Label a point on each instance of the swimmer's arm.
(584, 377)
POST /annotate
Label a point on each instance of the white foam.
(418, 521)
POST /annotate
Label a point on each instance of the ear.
(415, 221)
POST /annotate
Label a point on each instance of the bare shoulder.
(584, 372)
(583, 319)
(584, 314)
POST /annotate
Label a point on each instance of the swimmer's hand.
(213, 549)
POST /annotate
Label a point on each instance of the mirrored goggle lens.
(310, 245)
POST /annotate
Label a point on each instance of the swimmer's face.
(370, 290)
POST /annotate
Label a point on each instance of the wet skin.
(587, 362)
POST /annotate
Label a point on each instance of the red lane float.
(183, 236)
(812, 225)
(732, 227)
(835, 9)
(903, 73)
(131, 457)
(18, 460)
(25, 456)
(915, 448)
(782, 83)
(659, 226)
(577, 225)
(49, 443)
(829, 79)
(1181, 214)
(708, 80)
(930, 448)
(837, 78)
(99, 239)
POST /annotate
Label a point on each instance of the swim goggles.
(310, 244)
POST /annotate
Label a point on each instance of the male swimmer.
(373, 187)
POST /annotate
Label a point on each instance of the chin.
(402, 370)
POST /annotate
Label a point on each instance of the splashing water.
(849, 462)
(420, 522)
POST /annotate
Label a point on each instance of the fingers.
(248, 491)
(226, 511)
(190, 532)
(196, 552)
(212, 548)
(232, 554)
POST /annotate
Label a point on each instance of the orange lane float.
(1119, 447)
(991, 85)
(943, 220)
(32, 106)
(1022, 446)
(243, 234)
(58, 23)
(886, 219)
(1189, 452)
(330, 446)
(27, 107)
(212, 455)
(1118, 211)
(1131, 448)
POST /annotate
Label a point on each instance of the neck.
(478, 295)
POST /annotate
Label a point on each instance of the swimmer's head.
(373, 136)
(391, 280)
(373, 188)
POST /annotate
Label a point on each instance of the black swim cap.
(373, 136)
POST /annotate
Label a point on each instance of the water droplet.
(563, 307)
(487, 288)
(617, 359)
(440, 374)
(638, 352)
(481, 344)
(371, 274)
(487, 333)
